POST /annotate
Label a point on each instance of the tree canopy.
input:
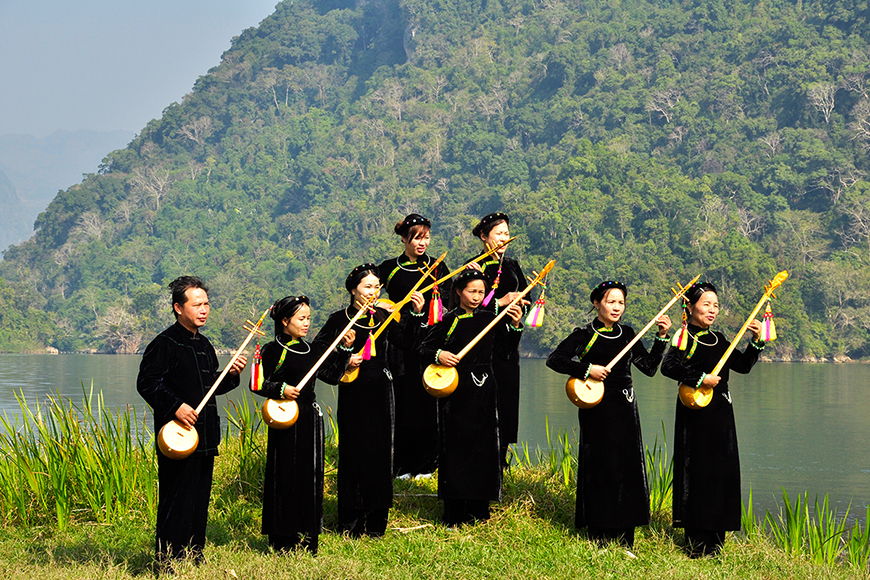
(639, 140)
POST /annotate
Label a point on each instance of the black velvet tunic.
(706, 459)
(293, 486)
(365, 416)
(178, 367)
(611, 476)
(469, 462)
(507, 365)
(416, 436)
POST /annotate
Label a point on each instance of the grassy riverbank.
(530, 535)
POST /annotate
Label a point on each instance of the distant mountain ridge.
(37, 168)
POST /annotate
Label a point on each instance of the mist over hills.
(643, 141)
(36, 169)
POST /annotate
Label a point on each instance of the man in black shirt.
(177, 370)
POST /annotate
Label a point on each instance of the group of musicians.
(389, 426)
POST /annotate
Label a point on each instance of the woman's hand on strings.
(509, 297)
(348, 338)
(516, 314)
(664, 324)
(711, 381)
(755, 328)
(598, 372)
(417, 302)
(355, 361)
(291, 393)
(448, 359)
(473, 266)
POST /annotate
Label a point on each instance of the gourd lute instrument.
(440, 380)
(282, 413)
(350, 375)
(700, 397)
(586, 393)
(176, 440)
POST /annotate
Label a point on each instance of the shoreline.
(835, 359)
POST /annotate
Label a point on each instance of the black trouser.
(283, 543)
(703, 542)
(604, 536)
(465, 511)
(184, 491)
(363, 522)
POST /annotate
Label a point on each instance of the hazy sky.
(108, 64)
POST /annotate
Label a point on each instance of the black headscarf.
(488, 222)
(357, 274)
(286, 308)
(599, 291)
(411, 220)
(693, 294)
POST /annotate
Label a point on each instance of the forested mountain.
(646, 141)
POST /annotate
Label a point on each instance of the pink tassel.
(491, 294)
(257, 370)
(436, 308)
(489, 297)
(368, 350)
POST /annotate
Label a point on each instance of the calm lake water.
(801, 427)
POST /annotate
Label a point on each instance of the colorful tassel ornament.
(768, 328)
(368, 350)
(257, 370)
(536, 315)
(491, 294)
(436, 308)
(681, 338)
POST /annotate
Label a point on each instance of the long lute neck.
(774, 284)
(335, 342)
(502, 314)
(649, 324)
(398, 307)
(458, 270)
(231, 363)
(743, 328)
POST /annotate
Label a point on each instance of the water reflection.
(802, 427)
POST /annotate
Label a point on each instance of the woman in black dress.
(293, 486)
(416, 437)
(612, 493)
(506, 279)
(365, 411)
(706, 460)
(469, 463)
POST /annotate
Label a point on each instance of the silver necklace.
(414, 262)
(288, 349)
(713, 334)
(602, 335)
(349, 317)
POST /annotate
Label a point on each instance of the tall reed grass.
(819, 532)
(64, 461)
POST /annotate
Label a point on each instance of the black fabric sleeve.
(434, 341)
(157, 363)
(647, 362)
(674, 367)
(560, 360)
(742, 362)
